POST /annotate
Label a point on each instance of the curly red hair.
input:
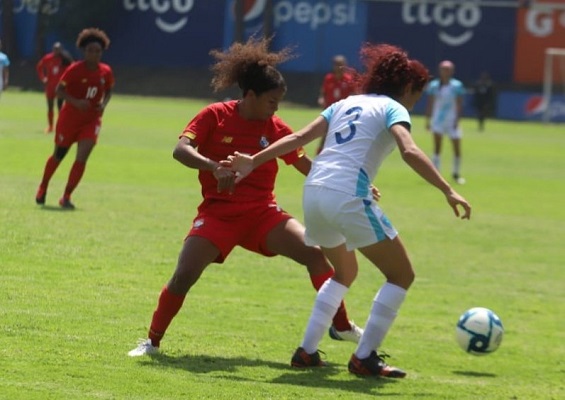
(389, 71)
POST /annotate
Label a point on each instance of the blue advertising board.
(475, 38)
(171, 33)
(526, 106)
(317, 30)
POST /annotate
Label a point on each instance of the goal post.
(553, 76)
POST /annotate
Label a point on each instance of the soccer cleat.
(352, 335)
(145, 347)
(301, 359)
(40, 195)
(66, 203)
(374, 365)
(459, 179)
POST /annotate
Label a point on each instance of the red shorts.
(69, 131)
(227, 225)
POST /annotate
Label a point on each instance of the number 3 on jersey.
(91, 92)
(356, 111)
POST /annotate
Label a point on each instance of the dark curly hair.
(90, 35)
(389, 71)
(251, 65)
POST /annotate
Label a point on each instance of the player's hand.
(376, 193)
(44, 80)
(225, 178)
(455, 200)
(241, 164)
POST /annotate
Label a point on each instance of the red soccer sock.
(168, 306)
(340, 320)
(77, 170)
(50, 168)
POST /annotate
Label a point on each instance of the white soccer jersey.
(357, 142)
(444, 109)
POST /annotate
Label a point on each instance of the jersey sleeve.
(396, 113)
(200, 126)
(69, 75)
(109, 78)
(328, 113)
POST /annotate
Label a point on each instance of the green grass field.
(77, 289)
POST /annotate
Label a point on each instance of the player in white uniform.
(4, 71)
(444, 108)
(340, 212)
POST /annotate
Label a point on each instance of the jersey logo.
(84, 80)
(198, 223)
(263, 142)
(227, 139)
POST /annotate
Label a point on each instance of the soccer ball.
(479, 331)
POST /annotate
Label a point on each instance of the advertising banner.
(171, 33)
(475, 38)
(525, 106)
(537, 29)
(317, 30)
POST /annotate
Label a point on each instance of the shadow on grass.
(56, 208)
(308, 377)
(476, 374)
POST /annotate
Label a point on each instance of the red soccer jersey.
(51, 67)
(218, 131)
(83, 83)
(336, 89)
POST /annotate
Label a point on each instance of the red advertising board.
(540, 27)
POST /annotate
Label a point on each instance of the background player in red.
(249, 215)
(49, 70)
(337, 85)
(86, 88)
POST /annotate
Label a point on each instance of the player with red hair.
(340, 213)
(86, 88)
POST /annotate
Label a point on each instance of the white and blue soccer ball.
(479, 331)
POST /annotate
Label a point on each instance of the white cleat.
(145, 347)
(352, 335)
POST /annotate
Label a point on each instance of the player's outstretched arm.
(419, 162)
(243, 164)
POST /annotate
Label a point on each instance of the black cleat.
(66, 204)
(374, 365)
(301, 359)
(40, 196)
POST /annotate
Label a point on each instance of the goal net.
(553, 83)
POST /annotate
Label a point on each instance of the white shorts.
(333, 218)
(447, 128)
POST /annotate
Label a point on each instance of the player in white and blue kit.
(4, 71)
(340, 212)
(444, 109)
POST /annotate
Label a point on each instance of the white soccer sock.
(436, 161)
(456, 165)
(328, 299)
(384, 310)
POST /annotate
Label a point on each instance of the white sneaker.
(145, 347)
(352, 335)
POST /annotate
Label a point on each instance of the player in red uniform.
(49, 70)
(337, 85)
(86, 88)
(247, 216)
